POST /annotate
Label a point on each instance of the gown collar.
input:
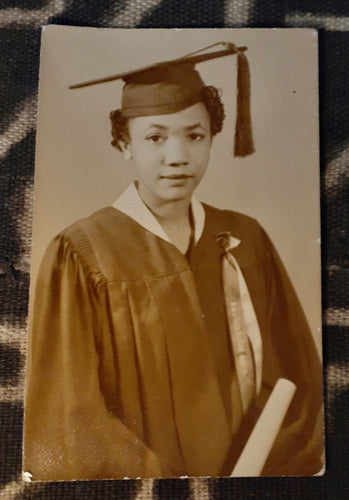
(131, 204)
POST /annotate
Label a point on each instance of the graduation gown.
(122, 377)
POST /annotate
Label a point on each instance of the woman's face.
(170, 153)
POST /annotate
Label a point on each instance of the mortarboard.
(170, 86)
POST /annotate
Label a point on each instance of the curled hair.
(209, 96)
(119, 129)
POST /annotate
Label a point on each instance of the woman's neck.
(174, 218)
(166, 211)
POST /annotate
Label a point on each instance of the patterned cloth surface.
(20, 22)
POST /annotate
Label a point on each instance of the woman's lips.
(176, 176)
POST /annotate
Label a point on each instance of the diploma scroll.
(261, 440)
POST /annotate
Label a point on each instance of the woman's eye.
(194, 136)
(156, 138)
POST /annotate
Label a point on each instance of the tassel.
(243, 128)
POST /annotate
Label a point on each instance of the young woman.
(162, 324)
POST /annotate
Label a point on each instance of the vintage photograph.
(175, 305)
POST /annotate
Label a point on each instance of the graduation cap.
(170, 86)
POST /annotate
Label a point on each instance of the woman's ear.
(125, 146)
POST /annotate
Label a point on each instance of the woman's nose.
(176, 152)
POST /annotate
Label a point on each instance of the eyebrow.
(163, 127)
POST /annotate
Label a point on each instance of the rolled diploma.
(261, 440)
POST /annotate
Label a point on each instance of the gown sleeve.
(290, 352)
(69, 433)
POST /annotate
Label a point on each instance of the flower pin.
(226, 241)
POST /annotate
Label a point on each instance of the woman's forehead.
(191, 117)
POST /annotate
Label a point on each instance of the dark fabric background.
(20, 22)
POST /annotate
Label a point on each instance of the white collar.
(130, 203)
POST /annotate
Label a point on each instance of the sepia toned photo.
(175, 306)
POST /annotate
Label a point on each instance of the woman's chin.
(176, 193)
(167, 193)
